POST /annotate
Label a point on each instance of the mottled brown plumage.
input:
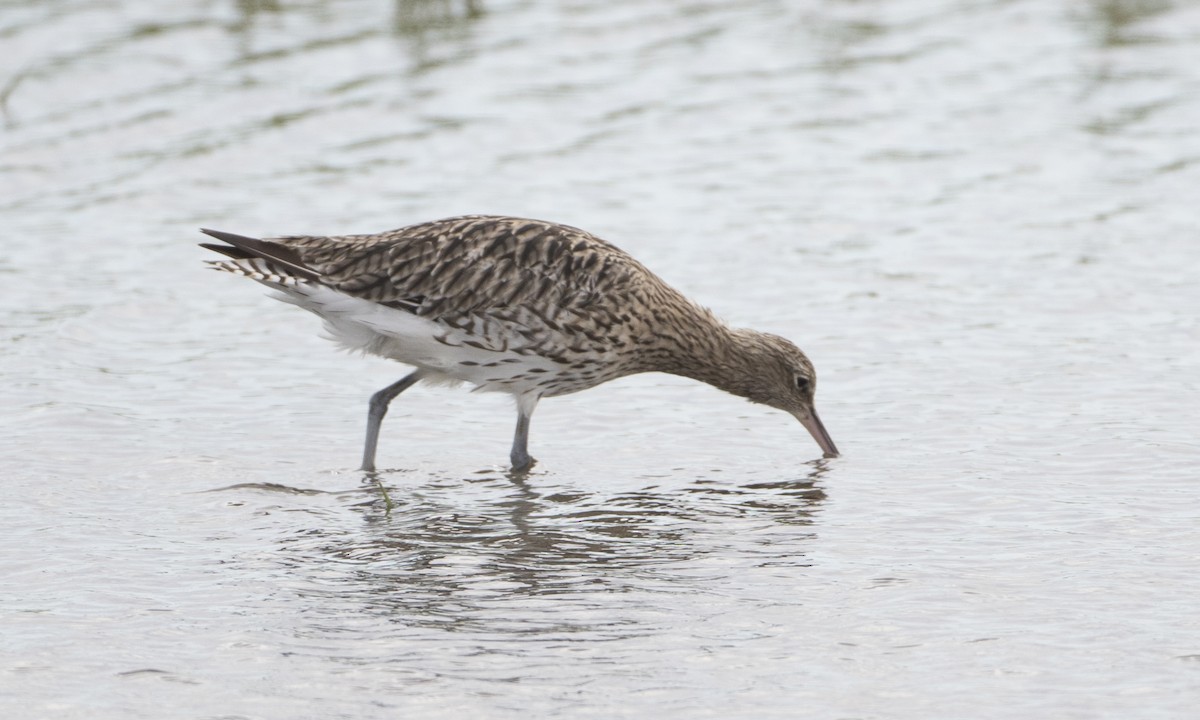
(533, 308)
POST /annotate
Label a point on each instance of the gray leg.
(379, 408)
(520, 449)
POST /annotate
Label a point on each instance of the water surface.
(976, 217)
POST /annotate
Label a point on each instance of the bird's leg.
(521, 461)
(378, 409)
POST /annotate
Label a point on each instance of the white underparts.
(442, 351)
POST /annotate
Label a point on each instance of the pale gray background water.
(977, 217)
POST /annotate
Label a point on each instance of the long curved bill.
(812, 423)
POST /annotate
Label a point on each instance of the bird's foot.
(521, 463)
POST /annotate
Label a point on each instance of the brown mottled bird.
(527, 307)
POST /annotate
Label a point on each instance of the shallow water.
(976, 217)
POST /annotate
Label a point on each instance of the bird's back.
(471, 264)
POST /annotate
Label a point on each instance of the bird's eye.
(802, 383)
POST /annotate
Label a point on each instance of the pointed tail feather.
(257, 269)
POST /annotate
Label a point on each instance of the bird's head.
(784, 378)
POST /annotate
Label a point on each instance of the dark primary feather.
(227, 250)
(247, 247)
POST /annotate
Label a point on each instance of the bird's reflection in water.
(519, 554)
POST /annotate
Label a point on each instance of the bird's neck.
(713, 353)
